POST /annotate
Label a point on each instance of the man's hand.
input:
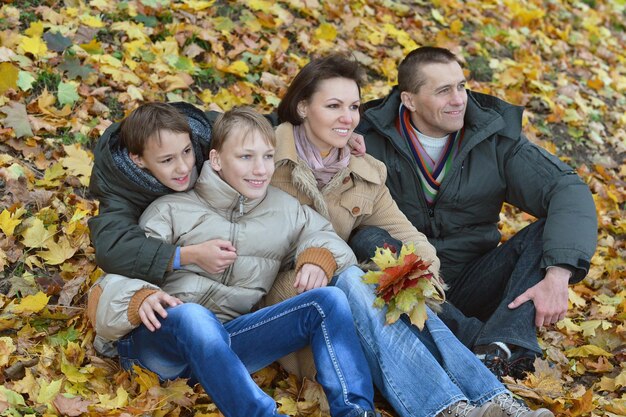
(153, 305)
(357, 144)
(549, 297)
(310, 276)
(213, 256)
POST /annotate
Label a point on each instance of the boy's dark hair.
(145, 123)
(306, 83)
(410, 77)
(243, 121)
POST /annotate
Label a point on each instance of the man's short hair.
(307, 81)
(410, 77)
(145, 123)
(243, 121)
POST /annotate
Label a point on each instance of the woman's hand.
(310, 276)
(213, 256)
(357, 144)
(154, 305)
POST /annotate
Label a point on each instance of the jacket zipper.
(233, 232)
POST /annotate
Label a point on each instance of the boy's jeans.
(419, 372)
(192, 343)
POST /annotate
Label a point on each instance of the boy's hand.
(357, 143)
(310, 276)
(153, 305)
(213, 256)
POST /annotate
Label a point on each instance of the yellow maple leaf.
(326, 31)
(145, 378)
(8, 221)
(8, 76)
(58, 252)
(288, 406)
(120, 400)
(569, 325)
(587, 350)
(92, 21)
(403, 38)
(238, 68)
(52, 176)
(34, 45)
(575, 299)
(6, 349)
(78, 162)
(93, 47)
(260, 5)
(10, 397)
(438, 17)
(35, 29)
(73, 373)
(199, 5)
(456, 26)
(376, 37)
(27, 385)
(36, 234)
(31, 303)
(48, 390)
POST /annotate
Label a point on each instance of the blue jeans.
(193, 343)
(477, 301)
(419, 372)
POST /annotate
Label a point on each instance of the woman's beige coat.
(356, 196)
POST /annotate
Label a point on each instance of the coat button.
(346, 180)
(356, 210)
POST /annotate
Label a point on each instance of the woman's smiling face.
(332, 113)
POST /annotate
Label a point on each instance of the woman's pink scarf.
(324, 169)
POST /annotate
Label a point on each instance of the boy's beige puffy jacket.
(270, 235)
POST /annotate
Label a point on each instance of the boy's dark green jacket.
(496, 164)
(121, 245)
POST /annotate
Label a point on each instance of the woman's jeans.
(419, 372)
(193, 343)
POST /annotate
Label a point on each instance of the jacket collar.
(286, 152)
(214, 191)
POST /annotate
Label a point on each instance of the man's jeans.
(416, 382)
(192, 343)
(476, 308)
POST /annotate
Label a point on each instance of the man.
(454, 157)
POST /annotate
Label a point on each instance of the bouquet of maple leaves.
(403, 284)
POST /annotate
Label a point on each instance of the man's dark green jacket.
(496, 164)
(121, 245)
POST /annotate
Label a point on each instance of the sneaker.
(496, 357)
(464, 409)
(513, 408)
(521, 362)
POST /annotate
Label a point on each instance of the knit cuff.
(135, 302)
(92, 303)
(321, 257)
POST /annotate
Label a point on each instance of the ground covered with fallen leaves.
(68, 69)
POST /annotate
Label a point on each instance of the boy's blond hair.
(243, 121)
(145, 123)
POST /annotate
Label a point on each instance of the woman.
(423, 373)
